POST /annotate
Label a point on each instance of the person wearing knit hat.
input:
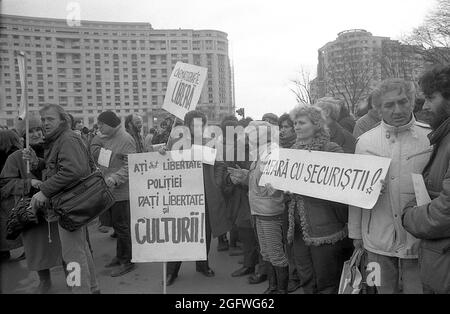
(119, 143)
(109, 118)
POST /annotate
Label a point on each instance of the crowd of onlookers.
(288, 239)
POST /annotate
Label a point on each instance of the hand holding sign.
(237, 175)
(270, 189)
(383, 186)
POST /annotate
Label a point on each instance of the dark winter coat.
(66, 161)
(342, 137)
(213, 178)
(431, 222)
(236, 195)
(322, 221)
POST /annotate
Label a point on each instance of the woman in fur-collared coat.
(317, 227)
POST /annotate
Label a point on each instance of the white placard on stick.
(184, 89)
(167, 202)
(344, 178)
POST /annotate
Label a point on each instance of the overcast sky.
(269, 40)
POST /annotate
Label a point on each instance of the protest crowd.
(288, 240)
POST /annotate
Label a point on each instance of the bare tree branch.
(350, 75)
(302, 87)
(432, 38)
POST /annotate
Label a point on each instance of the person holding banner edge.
(317, 228)
(379, 230)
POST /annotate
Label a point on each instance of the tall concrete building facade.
(351, 66)
(100, 66)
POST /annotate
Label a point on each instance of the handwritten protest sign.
(344, 178)
(184, 89)
(167, 202)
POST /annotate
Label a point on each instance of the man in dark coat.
(217, 221)
(66, 162)
(236, 195)
(431, 222)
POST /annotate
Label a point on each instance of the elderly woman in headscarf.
(317, 227)
(41, 244)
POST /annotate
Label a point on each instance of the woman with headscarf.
(317, 227)
(42, 246)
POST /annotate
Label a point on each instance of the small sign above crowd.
(184, 89)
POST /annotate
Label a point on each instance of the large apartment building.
(100, 66)
(353, 64)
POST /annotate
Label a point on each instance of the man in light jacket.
(110, 150)
(379, 230)
(431, 222)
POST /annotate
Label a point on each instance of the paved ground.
(147, 278)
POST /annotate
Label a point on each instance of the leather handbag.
(82, 202)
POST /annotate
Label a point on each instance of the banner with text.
(343, 178)
(167, 202)
(184, 89)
